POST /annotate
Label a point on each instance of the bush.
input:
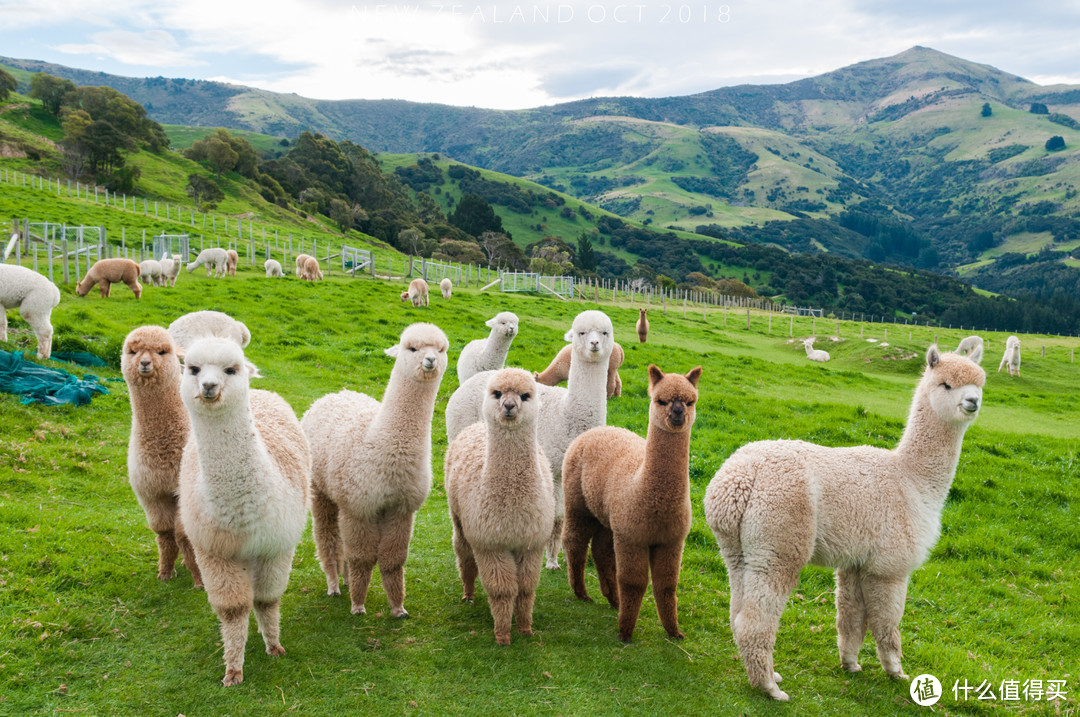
(1055, 143)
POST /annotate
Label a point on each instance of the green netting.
(82, 358)
(50, 386)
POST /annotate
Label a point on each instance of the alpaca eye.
(413, 349)
(662, 403)
(947, 386)
(526, 396)
(162, 352)
(689, 403)
(132, 351)
(497, 394)
(231, 371)
(193, 370)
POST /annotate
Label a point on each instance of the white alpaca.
(200, 324)
(502, 507)
(371, 469)
(968, 345)
(872, 514)
(490, 353)
(812, 353)
(273, 268)
(565, 413)
(35, 297)
(150, 272)
(1011, 358)
(170, 269)
(417, 293)
(447, 288)
(215, 259)
(243, 493)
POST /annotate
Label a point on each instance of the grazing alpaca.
(488, 354)
(107, 272)
(968, 345)
(642, 326)
(872, 514)
(630, 497)
(243, 493)
(310, 270)
(812, 353)
(231, 260)
(417, 293)
(159, 431)
(1011, 359)
(300, 259)
(35, 297)
(559, 369)
(371, 469)
(447, 288)
(273, 268)
(150, 272)
(498, 486)
(215, 259)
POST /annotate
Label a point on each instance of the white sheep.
(872, 514)
(244, 480)
(968, 345)
(150, 272)
(490, 353)
(273, 268)
(35, 297)
(447, 288)
(1011, 358)
(417, 293)
(371, 469)
(199, 324)
(215, 259)
(565, 413)
(502, 506)
(812, 353)
(170, 269)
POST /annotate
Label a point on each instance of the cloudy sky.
(518, 54)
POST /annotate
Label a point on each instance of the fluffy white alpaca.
(968, 345)
(243, 493)
(417, 293)
(273, 268)
(300, 260)
(812, 353)
(447, 288)
(215, 259)
(490, 353)
(199, 324)
(1011, 358)
(872, 514)
(502, 507)
(371, 469)
(150, 272)
(35, 297)
(170, 269)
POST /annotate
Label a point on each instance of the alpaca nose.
(144, 364)
(210, 389)
(510, 408)
(430, 361)
(678, 413)
(971, 405)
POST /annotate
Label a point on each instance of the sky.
(512, 55)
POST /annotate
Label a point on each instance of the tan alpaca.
(107, 272)
(231, 260)
(642, 326)
(300, 259)
(872, 514)
(559, 370)
(159, 431)
(310, 270)
(417, 293)
(630, 497)
(502, 505)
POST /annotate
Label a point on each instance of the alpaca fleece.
(488, 354)
(1011, 358)
(231, 260)
(642, 326)
(446, 287)
(170, 269)
(107, 272)
(814, 354)
(273, 268)
(310, 270)
(215, 259)
(417, 293)
(150, 272)
(35, 297)
(559, 370)
(201, 324)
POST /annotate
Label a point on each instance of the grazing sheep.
(499, 489)
(417, 293)
(490, 353)
(215, 259)
(559, 370)
(170, 269)
(150, 272)
(200, 324)
(231, 260)
(812, 353)
(310, 270)
(273, 268)
(1011, 358)
(968, 345)
(159, 431)
(642, 326)
(107, 272)
(447, 288)
(872, 514)
(630, 497)
(371, 469)
(243, 493)
(565, 413)
(300, 259)
(35, 297)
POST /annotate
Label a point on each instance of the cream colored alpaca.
(215, 259)
(446, 287)
(150, 272)
(812, 353)
(243, 493)
(231, 260)
(871, 513)
(417, 293)
(968, 345)
(371, 469)
(300, 259)
(1011, 358)
(273, 268)
(170, 269)
(200, 324)
(630, 497)
(107, 272)
(35, 297)
(488, 354)
(559, 369)
(310, 270)
(498, 486)
(159, 431)
(642, 326)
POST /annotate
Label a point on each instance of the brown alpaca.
(159, 430)
(559, 370)
(231, 260)
(630, 497)
(106, 272)
(310, 271)
(642, 326)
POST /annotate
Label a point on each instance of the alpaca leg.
(43, 330)
(764, 597)
(554, 541)
(328, 545)
(167, 552)
(161, 510)
(3, 323)
(603, 555)
(528, 577)
(361, 540)
(498, 575)
(190, 561)
(665, 561)
(269, 580)
(632, 570)
(885, 598)
(466, 563)
(850, 618)
(394, 538)
(229, 591)
(736, 566)
(103, 287)
(578, 530)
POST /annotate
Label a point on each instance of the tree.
(586, 257)
(1038, 108)
(204, 192)
(475, 216)
(221, 156)
(345, 215)
(8, 84)
(53, 92)
(1055, 143)
(987, 110)
(105, 144)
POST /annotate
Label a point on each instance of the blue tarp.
(50, 386)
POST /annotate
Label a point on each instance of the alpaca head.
(954, 384)
(592, 335)
(642, 313)
(1012, 341)
(808, 344)
(674, 397)
(421, 353)
(215, 376)
(510, 401)
(505, 324)
(404, 296)
(149, 355)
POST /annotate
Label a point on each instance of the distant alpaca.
(106, 272)
(150, 272)
(498, 486)
(1011, 359)
(968, 345)
(630, 497)
(35, 297)
(417, 293)
(488, 354)
(559, 370)
(310, 270)
(642, 326)
(215, 258)
(812, 353)
(871, 513)
(243, 493)
(447, 287)
(159, 431)
(170, 269)
(231, 260)
(273, 268)
(300, 259)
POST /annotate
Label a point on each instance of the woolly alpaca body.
(814, 354)
(488, 354)
(35, 297)
(170, 269)
(371, 469)
(630, 498)
(200, 324)
(872, 514)
(243, 494)
(642, 326)
(968, 345)
(273, 268)
(447, 288)
(559, 370)
(150, 272)
(417, 293)
(159, 431)
(310, 270)
(565, 413)
(215, 259)
(107, 272)
(300, 259)
(500, 493)
(1011, 358)
(231, 260)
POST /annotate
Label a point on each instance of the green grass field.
(88, 629)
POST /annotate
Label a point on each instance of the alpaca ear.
(569, 337)
(392, 351)
(655, 375)
(253, 370)
(694, 375)
(976, 354)
(490, 323)
(933, 356)
(180, 351)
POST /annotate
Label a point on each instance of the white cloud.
(153, 48)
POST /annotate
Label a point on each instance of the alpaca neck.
(667, 463)
(157, 403)
(406, 411)
(231, 451)
(586, 390)
(512, 460)
(497, 347)
(930, 449)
